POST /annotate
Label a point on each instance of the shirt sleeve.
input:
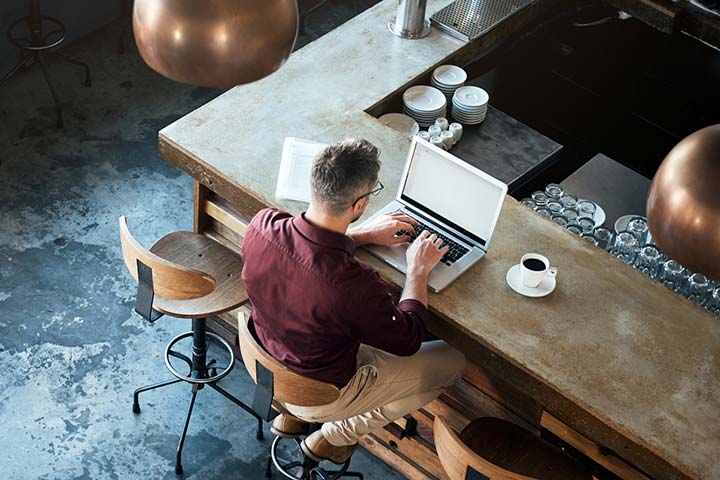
(378, 322)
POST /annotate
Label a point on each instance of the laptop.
(448, 197)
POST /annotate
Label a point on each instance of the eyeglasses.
(375, 192)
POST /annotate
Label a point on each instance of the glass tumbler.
(560, 220)
(575, 228)
(544, 212)
(699, 289)
(570, 213)
(554, 206)
(569, 200)
(586, 208)
(714, 303)
(649, 260)
(625, 247)
(539, 198)
(673, 275)
(638, 226)
(604, 237)
(590, 238)
(586, 223)
(555, 191)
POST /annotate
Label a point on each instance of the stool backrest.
(460, 461)
(170, 280)
(289, 387)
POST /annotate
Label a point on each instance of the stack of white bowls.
(470, 105)
(424, 104)
(447, 79)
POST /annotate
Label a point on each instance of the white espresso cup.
(535, 268)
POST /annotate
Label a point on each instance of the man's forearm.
(415, 287)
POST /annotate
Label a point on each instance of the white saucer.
(514, 280)
(422, 98)
(449, 75)
(471, 97)
(401, 123)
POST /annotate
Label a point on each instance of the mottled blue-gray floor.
(71, 350)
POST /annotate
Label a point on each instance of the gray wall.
(79, 16)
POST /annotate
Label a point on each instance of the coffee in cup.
(534, 268)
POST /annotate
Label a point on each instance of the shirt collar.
(323, 236)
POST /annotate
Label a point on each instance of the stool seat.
(516, 450)
(202, 253)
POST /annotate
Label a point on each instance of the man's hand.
(425, 252)
(383, 230)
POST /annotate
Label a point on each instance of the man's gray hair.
(344, 171)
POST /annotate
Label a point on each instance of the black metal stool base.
(306, 468)
(35, 46)
(201, 373)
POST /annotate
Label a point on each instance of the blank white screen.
(452, 192)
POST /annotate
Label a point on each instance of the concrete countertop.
(635, 355)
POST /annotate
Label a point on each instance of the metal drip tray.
(470, 19)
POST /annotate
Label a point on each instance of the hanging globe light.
(215, 43)
(683, 207)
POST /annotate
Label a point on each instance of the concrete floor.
(71, 347)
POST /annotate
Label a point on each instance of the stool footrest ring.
(198, 380)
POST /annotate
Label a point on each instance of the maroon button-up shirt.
(314, 302)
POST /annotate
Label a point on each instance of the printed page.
(294, 175)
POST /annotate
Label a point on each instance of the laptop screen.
(463, 198)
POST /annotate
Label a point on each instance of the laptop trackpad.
(394, 255)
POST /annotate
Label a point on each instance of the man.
(327, 315)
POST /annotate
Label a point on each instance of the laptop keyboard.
(456, 251)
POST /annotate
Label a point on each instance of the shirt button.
(393, 318)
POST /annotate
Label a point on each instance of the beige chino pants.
(385, 388)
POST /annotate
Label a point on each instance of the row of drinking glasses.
(632, 245)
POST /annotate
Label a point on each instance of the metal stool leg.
(87, 83)
(41, 60)
(136, 403)
(178, 458)
(22, 61)
(259, 435)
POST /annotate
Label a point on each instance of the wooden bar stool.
(491, 448)
(276, 383)
(187, 275)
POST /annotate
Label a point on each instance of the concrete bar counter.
(613, 363)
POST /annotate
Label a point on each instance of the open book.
(294, 175)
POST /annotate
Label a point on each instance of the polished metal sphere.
(683, 207)
(215, 43)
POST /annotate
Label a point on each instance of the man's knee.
(455, 365)
(448, 366)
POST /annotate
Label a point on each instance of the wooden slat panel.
(224, 235)
(472, 403)
(417, 458)
(398, 463)
(494, 387)
(199, 215)
(222, 214)
(590, 448)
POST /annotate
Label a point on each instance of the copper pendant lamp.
(683, 206)
(215, 43)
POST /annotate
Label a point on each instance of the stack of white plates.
(470, 105)
(447, 79)
(401, 123)
(424, 104)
